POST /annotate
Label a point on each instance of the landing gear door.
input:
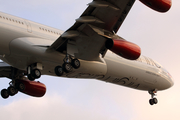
(29, 29)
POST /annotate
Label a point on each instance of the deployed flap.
(99, 21)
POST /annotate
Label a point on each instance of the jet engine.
(158, 5)
(32, 88)
(124, 48)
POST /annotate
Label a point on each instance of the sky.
(76, 99)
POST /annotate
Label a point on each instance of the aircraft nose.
(167, 80)
(170, 83)
(165, 84)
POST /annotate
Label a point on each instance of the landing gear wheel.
(67, 67)
(58, 70)
(75, 63)
(155, 101)
(151, 102)
(4, 93)
(12, 90)
(20, 86)
(36, 73)
(30, 77)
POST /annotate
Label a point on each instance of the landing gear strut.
(33, 71)
(153, 100)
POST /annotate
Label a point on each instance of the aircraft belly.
(111, 69)
(24, 53)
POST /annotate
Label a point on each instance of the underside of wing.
(99, 22)
(5, 69)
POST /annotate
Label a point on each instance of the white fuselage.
(23, 42)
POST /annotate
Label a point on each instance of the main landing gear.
(12, 89)
(153, 100)
(67, 66)
(33, 71)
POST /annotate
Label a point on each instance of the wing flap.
(110, 12)
(100, 21)
(103, 4)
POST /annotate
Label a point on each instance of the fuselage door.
(29, 29)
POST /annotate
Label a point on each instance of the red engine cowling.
(32, 88)
(124, 48)
(158, 5)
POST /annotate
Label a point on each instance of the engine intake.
(124, 48)
(158, 5)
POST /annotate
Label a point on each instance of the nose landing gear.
(153, 100)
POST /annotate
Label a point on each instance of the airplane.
(90, 49)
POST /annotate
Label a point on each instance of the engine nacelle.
(124, 48)
(158, 5)
(32, 88)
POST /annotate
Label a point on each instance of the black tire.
(36, 73)
(58, 70)
(12, 91)
(4, 93)
(30, 77)
(151, 102)
(155, 101)
(20, 86)
(75, 63)
(67, 67)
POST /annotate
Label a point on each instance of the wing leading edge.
(100, 21)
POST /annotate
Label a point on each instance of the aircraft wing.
(99, 22)
(8, 71)
(5, 69)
